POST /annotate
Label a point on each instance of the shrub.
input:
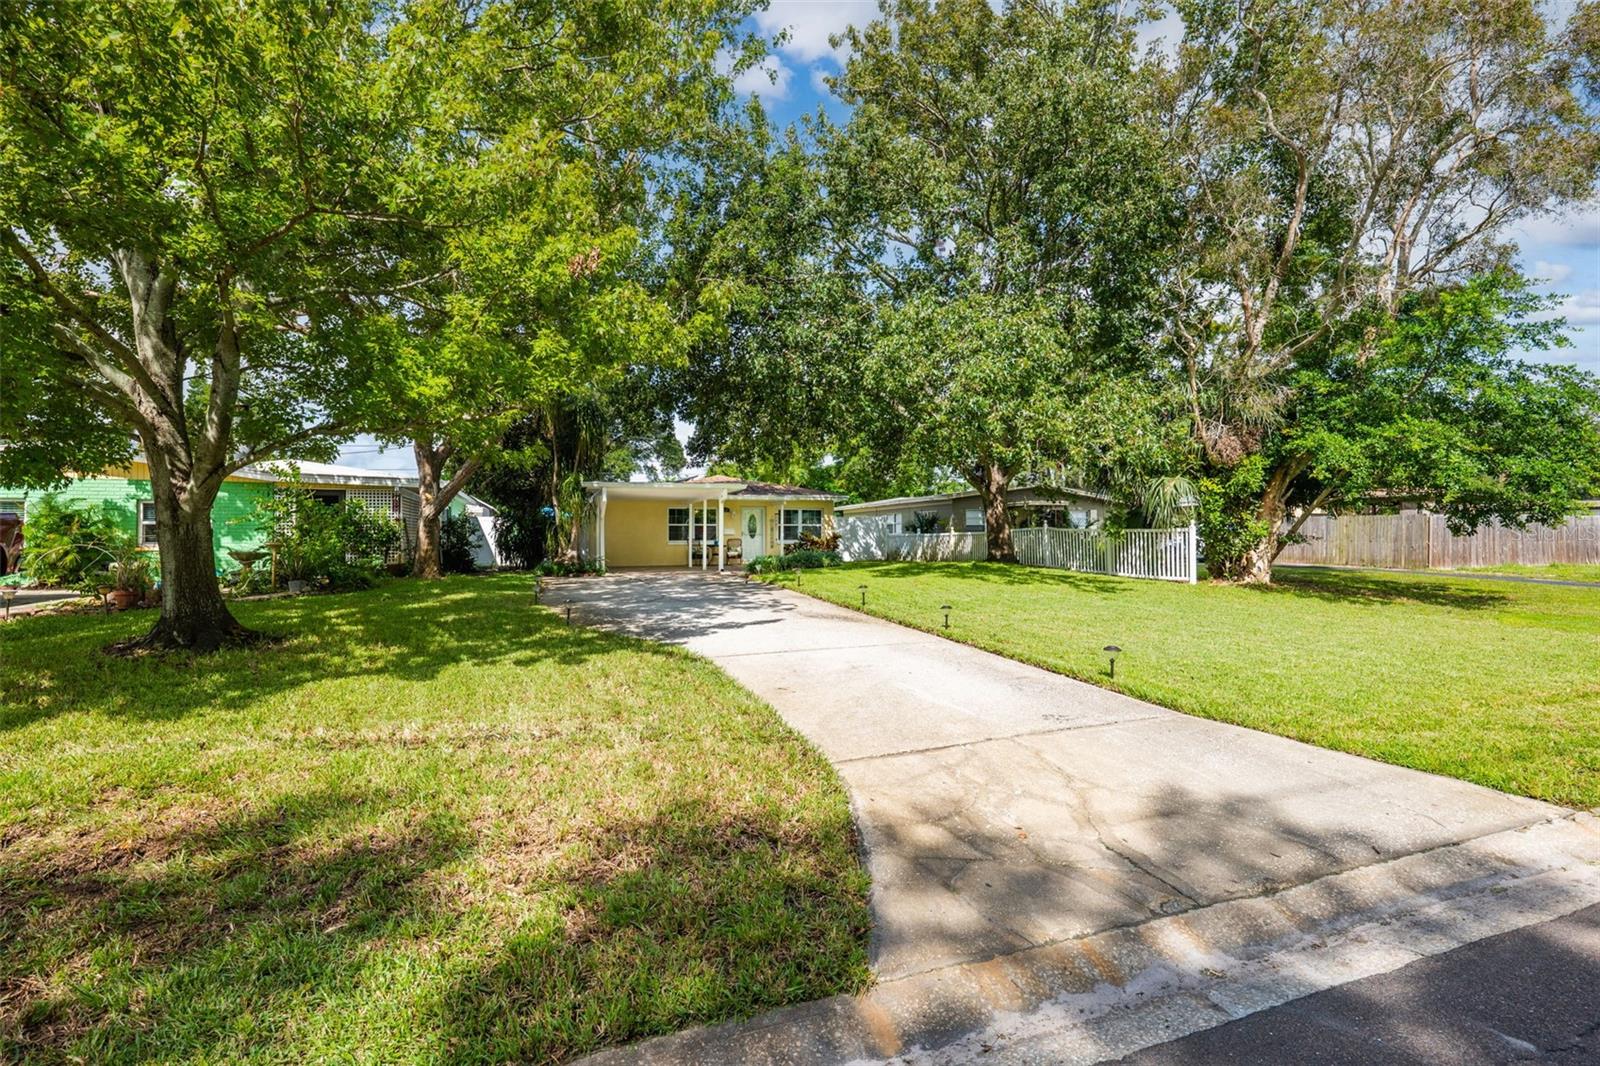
(68, 545)
(455, 544)
(923, 522)
(340, 545)
(826, 542)
(560, 568)
(803, 559)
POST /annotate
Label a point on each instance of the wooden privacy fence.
(1417, 540)
(1160, 554)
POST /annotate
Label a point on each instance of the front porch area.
(713, 524)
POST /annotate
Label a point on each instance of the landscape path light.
(1113, 651)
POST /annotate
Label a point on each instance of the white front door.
(753, 528)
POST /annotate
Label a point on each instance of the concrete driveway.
(1010, 814)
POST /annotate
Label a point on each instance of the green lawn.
(1494, 682)
(436, 824)
(1553, 571)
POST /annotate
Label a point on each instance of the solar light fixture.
(1113, 651)
(863, 589)
(9, 593)
(569, 612)
(946, 609)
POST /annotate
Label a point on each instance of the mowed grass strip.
(1547, 572)
(434, 824)
(1493, 682)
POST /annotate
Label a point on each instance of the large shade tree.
(1348, 159)
(191, 200)
(544, 266)
(982, 233)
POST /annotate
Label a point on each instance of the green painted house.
(126, 492)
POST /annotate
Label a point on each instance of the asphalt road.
(30, 598)
(1532, 995)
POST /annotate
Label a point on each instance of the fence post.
(1194, 551)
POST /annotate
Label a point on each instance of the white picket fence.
(1158, 554)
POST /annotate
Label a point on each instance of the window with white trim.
(705, 523)
(974, 519)
(893, 523)
(677, 525)
(699, 521)
(147, 523)
(798, 521)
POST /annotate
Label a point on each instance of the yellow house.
(710, 522)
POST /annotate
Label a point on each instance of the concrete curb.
(1109, 994)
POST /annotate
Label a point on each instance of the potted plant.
(294, 565)
(130, 577)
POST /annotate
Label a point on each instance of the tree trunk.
(433, 499)
(991, 481)
(1254, 565)
(194, 617)
(428, 560)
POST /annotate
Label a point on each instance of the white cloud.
(1551, 273)
(1581, 308)
(820, 72)
(811, 22)
(770, 78)
(1578, 228)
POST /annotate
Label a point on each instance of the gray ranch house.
(962, 512)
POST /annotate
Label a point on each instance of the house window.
(147, 522)
(892, 523)
(798, 521)
(331, 497)
(974, 518)
(697, 521)
(705, 524)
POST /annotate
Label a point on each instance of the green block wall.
(231, 526)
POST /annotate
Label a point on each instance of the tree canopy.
(554, 140)
(956, 278)
(248, 232)
(190, 200)
(1345, 157)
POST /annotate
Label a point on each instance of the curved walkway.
(1066, 869)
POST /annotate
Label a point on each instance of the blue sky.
(1563, 252)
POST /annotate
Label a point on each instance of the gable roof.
(757, 488)
(325, 474)
(714, 484)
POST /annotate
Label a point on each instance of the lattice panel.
(379, 501)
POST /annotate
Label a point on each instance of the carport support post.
(722, 541)
(600, 548)
(705, 533)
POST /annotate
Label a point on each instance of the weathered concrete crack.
(992, 740)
